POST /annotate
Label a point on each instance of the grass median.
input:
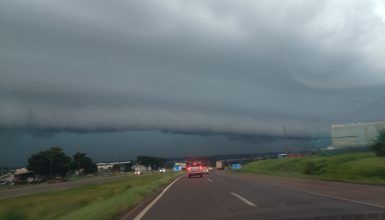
(346, 167)
(103, 201)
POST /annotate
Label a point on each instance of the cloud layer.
(201, 66)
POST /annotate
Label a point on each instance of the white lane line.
(244, 200)
(209, 180)
(148, 207)
(339, 198)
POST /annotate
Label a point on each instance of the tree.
(52, 161)
(379, 144)
(81, 161)
(154, 162)
(158, 162)
(144, 160)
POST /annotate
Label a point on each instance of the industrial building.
(355, 134)
(114, 166)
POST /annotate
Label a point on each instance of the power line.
(345, 115)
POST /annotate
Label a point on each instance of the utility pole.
(285, 140)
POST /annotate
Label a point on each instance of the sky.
(174, 78)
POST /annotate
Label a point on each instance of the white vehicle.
(205, 170)
(219, 165)
(183, 166)
(162, 170)
(138, 172)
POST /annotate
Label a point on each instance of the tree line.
(378, 146)
(55, 162)
(149, 161)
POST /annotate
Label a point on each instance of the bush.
(310, 168)
(50, 162)
(379, 144)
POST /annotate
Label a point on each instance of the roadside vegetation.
(347, 167)
(103, 201)
(357, 167)
(150, 161)
(378, 145)
(55, 162)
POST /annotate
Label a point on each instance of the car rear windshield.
(195, 164)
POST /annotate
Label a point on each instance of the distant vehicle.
(177, 168)
(138, 172)
(195, 169)
(219, 165)
(180, 165)
(205, 170)
(236, 166)
(162, 170)
(211, 168)
(183, 165)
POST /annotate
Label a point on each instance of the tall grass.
(350, 167)
(86, 202)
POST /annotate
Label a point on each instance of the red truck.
(195, 169)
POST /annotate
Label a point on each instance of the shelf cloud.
(242, 68)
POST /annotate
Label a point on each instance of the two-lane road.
(225, 196)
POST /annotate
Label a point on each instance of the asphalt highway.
(225, 196)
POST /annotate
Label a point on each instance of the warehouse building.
(355, 134)
(114, 166)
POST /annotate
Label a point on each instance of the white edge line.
(243, 199)
(339, 198)
(148, 207)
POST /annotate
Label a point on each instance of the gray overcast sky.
(147, 73)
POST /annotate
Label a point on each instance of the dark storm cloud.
(201, 66)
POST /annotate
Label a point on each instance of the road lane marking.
(339, 198)
(209, 180)
(148, 207)
(333, 197)
(243, 199)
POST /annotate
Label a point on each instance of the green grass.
(347, 167)
(102, 201)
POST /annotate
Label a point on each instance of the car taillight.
(188, 168)
(201, 167)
